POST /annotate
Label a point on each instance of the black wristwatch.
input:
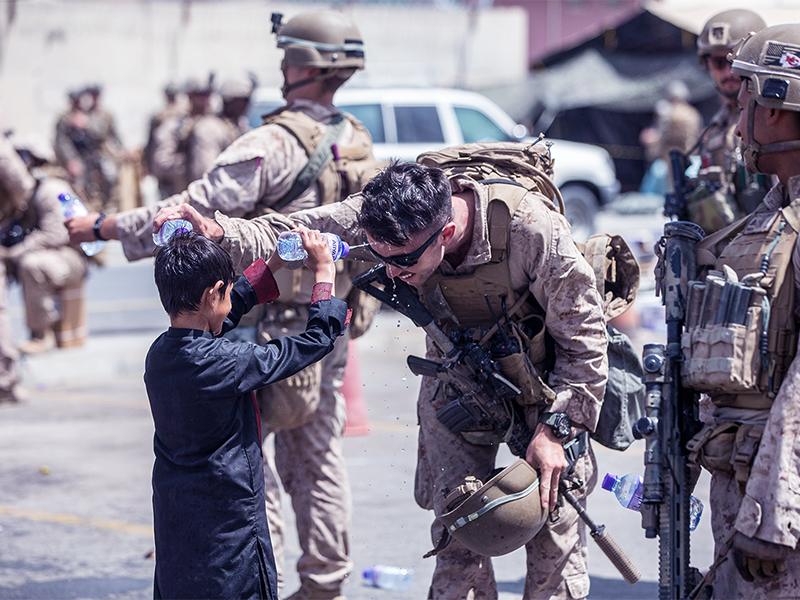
(560, 423)
(96, 227)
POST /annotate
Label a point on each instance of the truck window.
(418, 125)
(477, 127)
(371, 116)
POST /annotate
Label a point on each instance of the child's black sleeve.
(255, 286)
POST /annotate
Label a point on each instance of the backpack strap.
(505, 197)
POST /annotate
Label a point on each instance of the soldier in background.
(170, 149)
(16, 185)
(175, 107)
(725, 190)
(212, 133)
(43, 261)
(88, 146)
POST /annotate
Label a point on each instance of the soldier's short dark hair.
(187, 266)
(404, 200)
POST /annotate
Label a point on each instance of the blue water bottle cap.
(345, 249)
(608, 481)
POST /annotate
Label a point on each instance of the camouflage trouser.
(310, 463)
(556, 557)
(724, 500)
(42, 273)
(9, 375)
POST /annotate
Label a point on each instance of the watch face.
(560, 423)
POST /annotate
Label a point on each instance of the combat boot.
(309, 591)
(39, 342)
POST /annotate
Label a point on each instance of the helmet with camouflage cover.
(499, 516)
(770, 60)
(723, 31)
(323, 39)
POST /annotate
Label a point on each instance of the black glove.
(757, 559)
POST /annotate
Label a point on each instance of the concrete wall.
(134, 47)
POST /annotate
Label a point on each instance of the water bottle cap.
(64, 197)
(608, 481)
(345, 249)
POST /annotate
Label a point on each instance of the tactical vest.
(350, 166)
(741, 361)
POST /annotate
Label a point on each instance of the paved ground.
(75, 462)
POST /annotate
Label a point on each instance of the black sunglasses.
(719, 62)
(403, 261)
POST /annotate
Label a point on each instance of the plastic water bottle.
(389, 578)
(628, 489)
(73, 207)
(170, 228)
(695, 512)
(290, 246)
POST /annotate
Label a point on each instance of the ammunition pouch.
(728, 448)
(725, 336)
(291, 402)
(712, 207)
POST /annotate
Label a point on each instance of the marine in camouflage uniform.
(44, 262)
(212, 133)
(543, 259)
(16, 184)
(720, 151)
(253, 176)
(174, 108)
(751, 446)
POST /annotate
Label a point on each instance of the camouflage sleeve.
(770, 509)
(246, 240)
(563, 283)
(261, 164)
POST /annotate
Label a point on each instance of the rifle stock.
(675, 202)
(671, 419)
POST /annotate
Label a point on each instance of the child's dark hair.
(186, 267)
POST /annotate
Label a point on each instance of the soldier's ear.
(448, 233)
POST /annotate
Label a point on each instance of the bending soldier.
(267, 170)
(751, 447)
(436, 235)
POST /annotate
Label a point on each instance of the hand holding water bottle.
(319, 259)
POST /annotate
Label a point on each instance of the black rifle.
(671, 419)
(485, 400)
(676, 202)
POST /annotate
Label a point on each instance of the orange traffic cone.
(353, 395)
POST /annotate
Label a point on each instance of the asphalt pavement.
(76, 459)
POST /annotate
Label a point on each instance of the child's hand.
(319, 255)
(275, 263)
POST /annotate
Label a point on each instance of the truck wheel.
(581, 208)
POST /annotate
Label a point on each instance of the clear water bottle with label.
(628, 491)
(170, 228)
(73, 207)
(389, 578)
(290, 246)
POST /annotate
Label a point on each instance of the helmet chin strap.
(755, 150)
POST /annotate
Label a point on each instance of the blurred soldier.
(306, 154)
(752, 448)
(43, 261)
(16, 185)
(726, 191)
(212, 133)
(171, 140)
(88, 146)
(174, 108)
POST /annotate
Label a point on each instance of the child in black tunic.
(210, 521)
